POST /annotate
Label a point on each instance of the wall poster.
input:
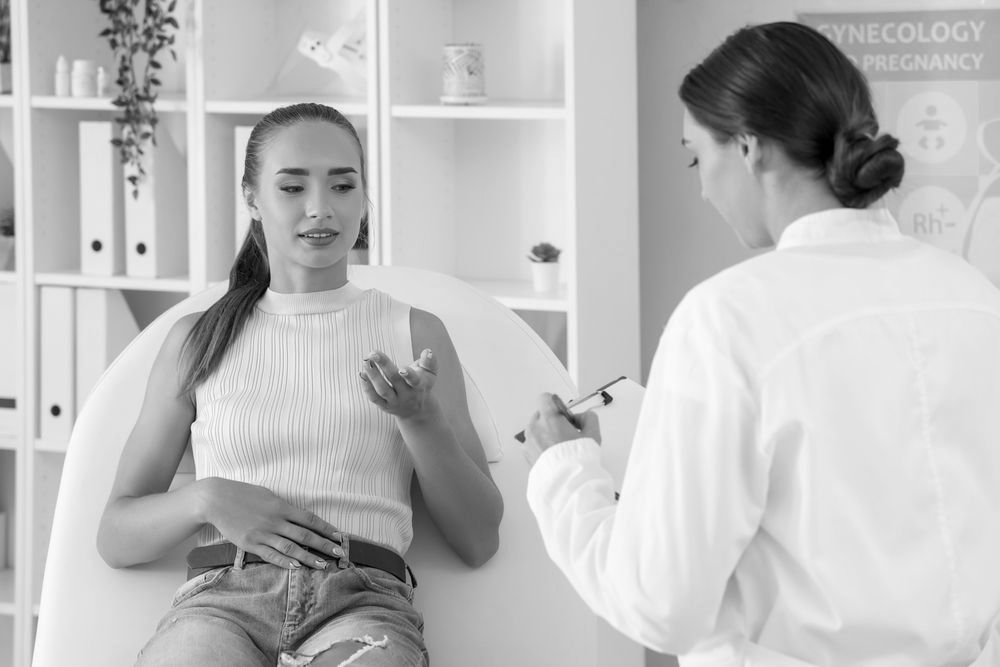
(935, 78)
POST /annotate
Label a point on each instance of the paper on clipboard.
(618, 419)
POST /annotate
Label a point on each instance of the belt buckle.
(343, 550)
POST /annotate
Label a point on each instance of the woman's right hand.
(259, 522)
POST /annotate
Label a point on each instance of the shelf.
(6, 101)
(174, 284)
(7, 591)
(166, 103)
(51, 446)
(520, 295)
(495, 110)
(259, 107)
(8, 277)
(8, 443)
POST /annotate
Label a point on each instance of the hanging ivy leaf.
(137, 27)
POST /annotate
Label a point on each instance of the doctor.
(815, 479)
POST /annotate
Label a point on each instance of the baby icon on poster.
(931, 127)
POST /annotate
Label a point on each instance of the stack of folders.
(82, 331)
(10, 362)
(146, 235)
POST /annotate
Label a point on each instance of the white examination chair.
(517, 609)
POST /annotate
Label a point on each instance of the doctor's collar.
(841, 225)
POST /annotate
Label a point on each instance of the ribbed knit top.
(285, 410)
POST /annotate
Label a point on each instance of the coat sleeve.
(655, 564)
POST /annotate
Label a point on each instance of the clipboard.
(617, 405)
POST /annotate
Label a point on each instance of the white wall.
(682, 240)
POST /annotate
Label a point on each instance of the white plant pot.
(545, 276)
(6, 253)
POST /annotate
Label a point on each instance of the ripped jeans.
(265, 615)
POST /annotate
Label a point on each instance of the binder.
(102, 217)
(56, 383)
(241, 135)
(10, 362)
(7, 259)
(104, 327)
(156, 221)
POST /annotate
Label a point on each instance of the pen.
(564, 411)
(606, 398)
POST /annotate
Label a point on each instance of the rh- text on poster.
(935, 78)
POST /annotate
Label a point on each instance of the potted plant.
(5, 73)
(545, 267)
(7, 240)
(140, 31)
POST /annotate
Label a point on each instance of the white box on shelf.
(104, 327)
(102, 219)
(241, 135)
(156, 220)
(10, 362)
(56, 384)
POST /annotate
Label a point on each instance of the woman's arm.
(448, 457)
(142, 520)
(656, 563)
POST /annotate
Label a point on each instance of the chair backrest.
(516, 609)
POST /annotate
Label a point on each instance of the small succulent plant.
(544, 252)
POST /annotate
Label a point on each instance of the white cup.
(83, 79)
(463, 74)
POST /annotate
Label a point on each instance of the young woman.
(310, 405)
(814, 476)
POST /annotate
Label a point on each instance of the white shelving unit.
(465, 190)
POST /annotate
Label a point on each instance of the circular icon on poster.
(935, 215)
(932, 127)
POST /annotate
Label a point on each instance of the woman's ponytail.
(219, 326)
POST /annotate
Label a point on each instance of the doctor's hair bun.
(864, 167)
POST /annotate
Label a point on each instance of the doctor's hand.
(549, 427)
(401, 392)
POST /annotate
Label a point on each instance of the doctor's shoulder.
(730, 296)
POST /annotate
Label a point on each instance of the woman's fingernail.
(295, 565)
(402, 371)
(321, 564)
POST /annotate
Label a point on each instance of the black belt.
(202, 559)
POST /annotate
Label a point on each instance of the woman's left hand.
(401, 392)
(549, 427)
